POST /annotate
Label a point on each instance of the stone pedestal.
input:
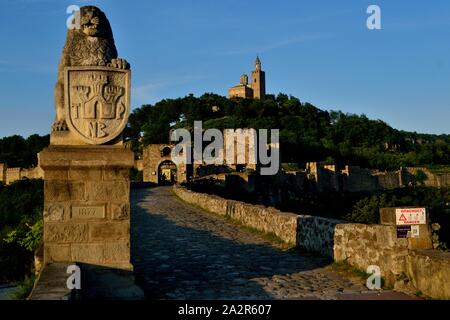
(87, 204)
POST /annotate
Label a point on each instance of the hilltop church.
(256, 89)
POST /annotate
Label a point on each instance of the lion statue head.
(93, 23)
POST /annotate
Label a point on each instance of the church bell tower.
(258, 81)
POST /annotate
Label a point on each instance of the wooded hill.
(307, 133)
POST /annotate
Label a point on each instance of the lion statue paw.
(119, 63)
(60, 126)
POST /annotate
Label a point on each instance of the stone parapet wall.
(360, 245)
(363, 245)
(429, 271)
(316, 234)
(268, 220)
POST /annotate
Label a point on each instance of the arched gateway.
(167, 173)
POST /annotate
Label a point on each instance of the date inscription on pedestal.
(88, 212)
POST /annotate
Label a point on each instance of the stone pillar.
(87, 205)
(86, 167)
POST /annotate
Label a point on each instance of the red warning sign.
(411, 216)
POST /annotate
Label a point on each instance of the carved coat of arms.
(97, 102)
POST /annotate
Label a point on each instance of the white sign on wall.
(411, 216)
(415, 231)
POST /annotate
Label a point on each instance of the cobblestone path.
(182, 252)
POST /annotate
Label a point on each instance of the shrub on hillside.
(21, 205)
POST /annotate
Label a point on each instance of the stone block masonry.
(87, 208)
(360, 245)
(429, 271)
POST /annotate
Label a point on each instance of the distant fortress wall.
(33, 173)
(13, 174)
(10, 175)
(356, 179)
(432, 179)
(388, 180)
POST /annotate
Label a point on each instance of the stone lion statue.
(92, 44)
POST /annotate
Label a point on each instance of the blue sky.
(319, 51)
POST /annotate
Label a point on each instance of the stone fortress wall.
(357, 179)
(359, 245)
(10, 175)
(323, 176)
(431, 180)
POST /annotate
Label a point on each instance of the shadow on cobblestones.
(182, 252)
